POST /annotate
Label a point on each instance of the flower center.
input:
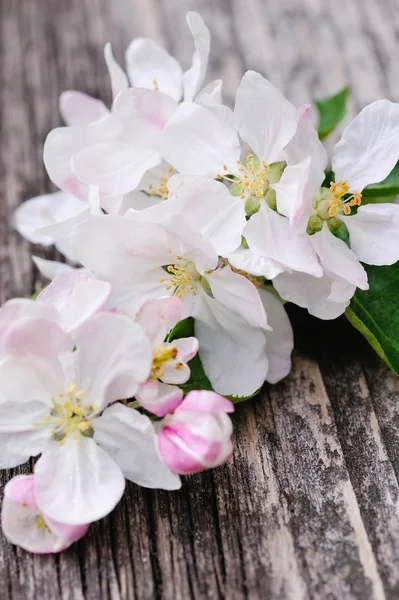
(182, 276)
(162, 190)
(253, 180)
(161, 354)
(41, 524)
(336, 204)
(68, 417)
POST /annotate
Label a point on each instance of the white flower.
(366, 153)
(58, 405)
(142, 259)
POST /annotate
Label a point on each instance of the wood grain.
(308, 506)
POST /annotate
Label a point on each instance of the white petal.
(76, 297)
(20, 438)
(77, 108)
(233, 354)
(42, 211)
(280, 341)
(238, 295)
(119, 81)
(374, 233)
(25, 379)
(323, 297)
(294, 194)
(268, 234)
(130, 439)
(196, 142)
(115, 167)
(77, 482)
(50, 268)
(210, 209)
(157, 316)
(22, 308)
(175, 372)
(36, 336)
(129, 297)
(211, 95)
(143, 115)
(306, 143)
(338, 259)
(266, 120)
(246, 260)
(151, 66)
(114, 357)
(369, 147)
(194, 77)
(187, 348)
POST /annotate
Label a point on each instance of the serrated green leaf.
(388, 187)
(375, 313)
(198, 379)
(331, 111)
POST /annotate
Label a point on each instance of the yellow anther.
(337, 204)
(71, 389)
(156, 86)
(78, 410)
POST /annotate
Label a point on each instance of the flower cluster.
(173, 209)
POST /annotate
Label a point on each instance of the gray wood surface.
(308, 506)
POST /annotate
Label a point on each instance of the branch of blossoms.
(188, 224)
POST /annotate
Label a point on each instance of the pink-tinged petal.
(204, 401)
(36, 336)
(338, 259)
(266, 120)
(115, 167)
(129, 438)
(150, 66)
(159, 398)
(196, 142)
(157, 316)
(194, 77)
(374, 233)
(119, 81)
(294, 195)
(77, 108)
(24, 525)
(369, 147)
(76, 297)
(143, 115)
(239, 295)
(50, 268)
(116, 373)
(187, 348)
(22, 308)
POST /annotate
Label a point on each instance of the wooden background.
(308, 506)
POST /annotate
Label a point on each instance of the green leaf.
(198, 379)
(375, 313)
(331, 111)
(388, 187)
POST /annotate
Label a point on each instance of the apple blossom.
(58, 406)
(160, 394)
(197, 436)
(25, 525)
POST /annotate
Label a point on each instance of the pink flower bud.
(198, 435)
(26, 526)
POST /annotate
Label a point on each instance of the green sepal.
(389, 187)
(340, 230)
(331, 111)
(275, 171)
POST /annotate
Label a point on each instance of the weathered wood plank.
(308, 506)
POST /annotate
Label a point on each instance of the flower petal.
(280, 341)
(114, 355)
(150, 66)
(28, 378)
(239, 295)
(369, 147)
(338, 259)
(77, 482)
(246, 260)
(196, 142)
(20, 435)
(77, 108)
(204, 401)
(119, 81)
(194, 77)
(159, 398)
(187, 348)
(129, 438)
(268, 234)
(294, 194)
(157, 316)
(374, 233)
(50, 268)
(266, 120)
(324, 297)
